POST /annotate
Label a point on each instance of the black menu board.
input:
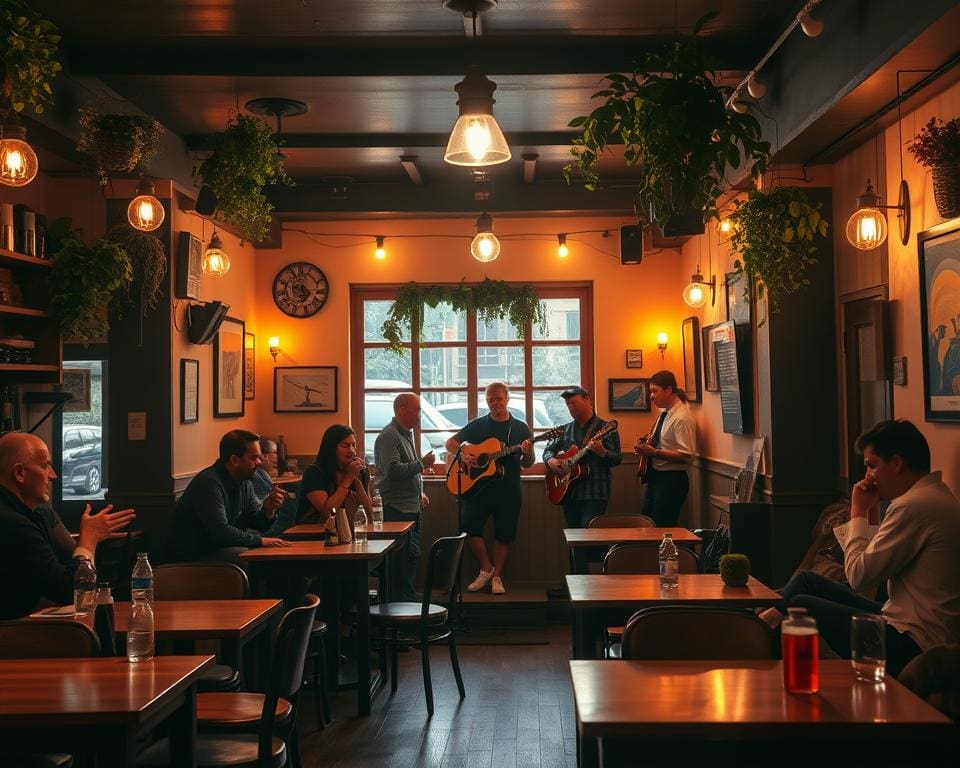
(734, 366)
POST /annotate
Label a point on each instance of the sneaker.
(496, 586)
(483, 578)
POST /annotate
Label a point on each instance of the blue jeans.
(411, 556)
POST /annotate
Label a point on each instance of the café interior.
(267, 300)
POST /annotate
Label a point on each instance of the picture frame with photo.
(228, 369)
(305, 389)
(634, 358)
(249, 366)
(710, 334)
(739, 298)
(939, 256)
(189, 391)
(629, 394)
(76, 381)
(690, 334)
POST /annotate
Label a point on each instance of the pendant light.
(216, 261)
(485, 246)
(695, 294)
(18, 161)
(145, 212)
(562, 250)
(476, 139)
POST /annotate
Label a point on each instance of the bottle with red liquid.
(801, 652)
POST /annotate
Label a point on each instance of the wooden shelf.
(12, 258)
(28, 368)
(10, 309)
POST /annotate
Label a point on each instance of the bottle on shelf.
(141, 581)
(800, 645)
(84, 588)
(376, 509)
(360, 526)
(669, 563)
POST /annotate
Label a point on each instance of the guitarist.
(587, 497)
(500, 496)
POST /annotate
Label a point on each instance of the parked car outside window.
(82, 459)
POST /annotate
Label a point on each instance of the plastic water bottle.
(84, 588)
(141, 581)
(376, 509)
(140, 631)
(360, 527)
(669, 563)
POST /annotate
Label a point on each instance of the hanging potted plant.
(118, 142)
(937, 147)
(148, 266)
(774, 233)
(676, 130)
(28, 50)
(245, 159)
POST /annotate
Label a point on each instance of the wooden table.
(314, 558)
(591, 544)
(286, 479)
(625, 706)
(315, 531)
(99, 705)
(600, 600)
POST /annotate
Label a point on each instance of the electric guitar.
(558, 485)
(485, 465)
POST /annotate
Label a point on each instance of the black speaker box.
(204, 320)
(631, 244)
(206, 201)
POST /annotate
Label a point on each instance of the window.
(458, 355)
(83, 421)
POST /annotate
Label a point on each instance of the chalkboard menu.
(734, 368)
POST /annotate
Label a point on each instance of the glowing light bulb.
(381, 252)
(867, 229)
(485, 246)
(216, 262)
(726, 226)
(478, 139)
(145, 212)
(562, 250)
(661, 338)
(18, 161)
(695, 294)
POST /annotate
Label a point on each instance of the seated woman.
(337, 478)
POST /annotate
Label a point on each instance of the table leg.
(119, 748)
(183, 731)
(576, 637)
(363, 640)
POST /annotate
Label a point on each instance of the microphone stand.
(460, 620)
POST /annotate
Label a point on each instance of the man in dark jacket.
(219, 515)
(38, 557)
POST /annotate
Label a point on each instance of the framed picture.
(249, 366)
(690, 332)
(189, 391)
(189, 260)
(305, 389)
(710, 334)
(228, 369)
(629, 394)
(634, 358)
(939, 250)
(76, 381)
(738, 297)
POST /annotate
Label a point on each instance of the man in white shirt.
(669, 450)
(914, 550)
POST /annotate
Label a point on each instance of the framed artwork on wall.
(739, 297)
(710, 381)
(249, 366)
(629, 394)
(305, 389)
(939, 252)
(690, 332)
(189, 391)
(76, 381)
(228, 369)
(634, 358)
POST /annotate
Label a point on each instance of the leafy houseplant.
(937, 147)
(148, 264)
(28, 50)
(490, 299)
(124, 143)
(245, 159)
(672, 119)
(774, 234)
(734, 569)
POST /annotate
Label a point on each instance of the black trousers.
(411, 555)
(666, 492)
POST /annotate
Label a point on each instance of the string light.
(562, 250)
(485, 246)
(380, 252)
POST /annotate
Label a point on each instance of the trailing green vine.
(490, 299)
(774, 233)
(28, 51)
(148, 262)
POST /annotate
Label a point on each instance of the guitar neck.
(507, 450)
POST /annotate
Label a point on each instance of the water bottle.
(104, 621)
(800, 645)
(84, 588)
(360, 527)
(140, 631)
(669, 563)
(141, 581)
(376, 509)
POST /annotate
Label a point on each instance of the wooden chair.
(622, 521)
(425, 622)
(317, 656)
(204, 581)
(262, 749)
(697, 632)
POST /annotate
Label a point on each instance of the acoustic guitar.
(644, 460)
(485, 465)
(558, 485)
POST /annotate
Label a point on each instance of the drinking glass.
(868, 653)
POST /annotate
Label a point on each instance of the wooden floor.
(518, 712)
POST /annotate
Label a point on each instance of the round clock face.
(300, 289)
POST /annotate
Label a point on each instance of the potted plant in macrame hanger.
(118, 143)
(937, 147)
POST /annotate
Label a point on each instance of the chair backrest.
(115, 558)
(622, 521)
(697, 632)
(645, 558)
(443, 569)
(286, 666)
(200, 581)
(47, 639)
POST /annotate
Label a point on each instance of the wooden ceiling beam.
(198, 142)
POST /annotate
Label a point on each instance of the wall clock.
(300, 289)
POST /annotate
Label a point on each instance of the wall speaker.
(203, 321)
(631, 244)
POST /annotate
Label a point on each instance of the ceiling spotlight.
(216, 262)
(485, 246)
(380, 252)
(756, 87)
(18, 161)
(562, 250)
(145, 213)
(476, 140)
(811, 27)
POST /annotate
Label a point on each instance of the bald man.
(399, 478)
(37, 555)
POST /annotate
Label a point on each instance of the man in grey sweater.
(399, 478)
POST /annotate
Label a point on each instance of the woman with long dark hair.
(337, 478)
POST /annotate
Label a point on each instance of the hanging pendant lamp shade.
(216, 262)
(476, 140)
(18, 161)
(485, 246)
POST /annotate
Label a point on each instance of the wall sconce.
(145, 213)
(274, 344)
(562, 250)
(695, 294)
(662, 343)
(867, 227)
(380, 252)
